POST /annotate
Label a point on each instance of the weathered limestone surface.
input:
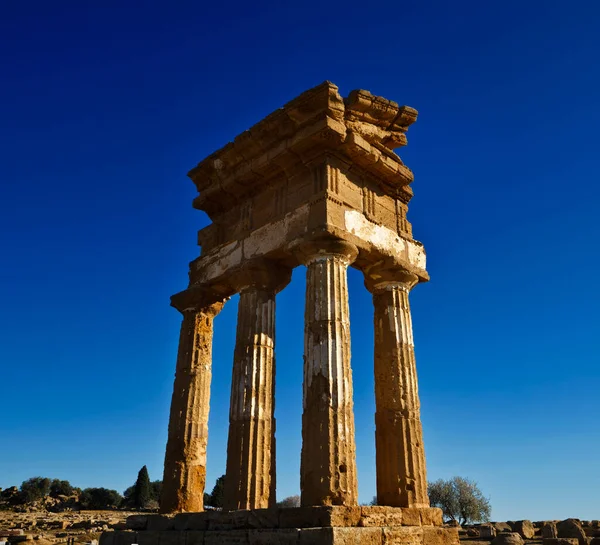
(322, 535)
(315, 183)
(250, 482)
(549, 530)
(524, 528)
(185, 460)
(400, 455)
(572, 528)
(297, 517)
(328, 460)
(508, 538)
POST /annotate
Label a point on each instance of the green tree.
(60, 488)
(100, 498)
(34, 489)
(142, 493)
(460, 500)
(128, 496)
(155, 490)
(216, 496)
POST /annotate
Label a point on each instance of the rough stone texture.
(315, 183)
(185, 460)
(322, 164)
(524, 528)
(328, 460)
(309, 517)
(502, 527)
(400, 455)
(273, 537)
(549, 530)
(508, 538)
(250, 482)
(440, 536)
(296, 517)
(160, 523)
(136, 522)
(400, 535)
(486, 531)
(572, 528)
(560, 541)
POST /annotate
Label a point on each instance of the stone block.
(402, 535)
(194, 537)
(431, 516)
(171, 537)
(487, 531)
(320, 516)
(508, 538)
(263, 518)
(549, 530)
(226, 537)
(107, 538)
(340, 536)
(220, 520)
(440, 536)
(191, 521)
(315, 536)
(375, 515)
(524, 528)
(159, 523)
(357, 536)
(148, 537)
(125, 537)
(411, 516)
(282, 536)
(560, 541)
(136, 522)
(572, 528)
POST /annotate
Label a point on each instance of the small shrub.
(100, 498)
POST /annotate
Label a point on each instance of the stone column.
(328, 461)
(250, 474)
(400, 456)
(185, 460)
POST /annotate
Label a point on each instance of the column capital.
(198, 299)
(384, 274)
(311, 250)
(262, 274)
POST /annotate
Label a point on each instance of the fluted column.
(400, 456)
(185, 459)
(328, 461)
(250, 475)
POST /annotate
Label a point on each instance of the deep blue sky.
(104, 107)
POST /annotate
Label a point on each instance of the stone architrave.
(328, 460)
(400, 456)
(184, 477)
(250, 475)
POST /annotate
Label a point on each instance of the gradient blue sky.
(104, 107)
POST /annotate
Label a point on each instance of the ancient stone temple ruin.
(315, 183)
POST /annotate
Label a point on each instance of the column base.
(329, 525)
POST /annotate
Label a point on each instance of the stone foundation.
(333, 525)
